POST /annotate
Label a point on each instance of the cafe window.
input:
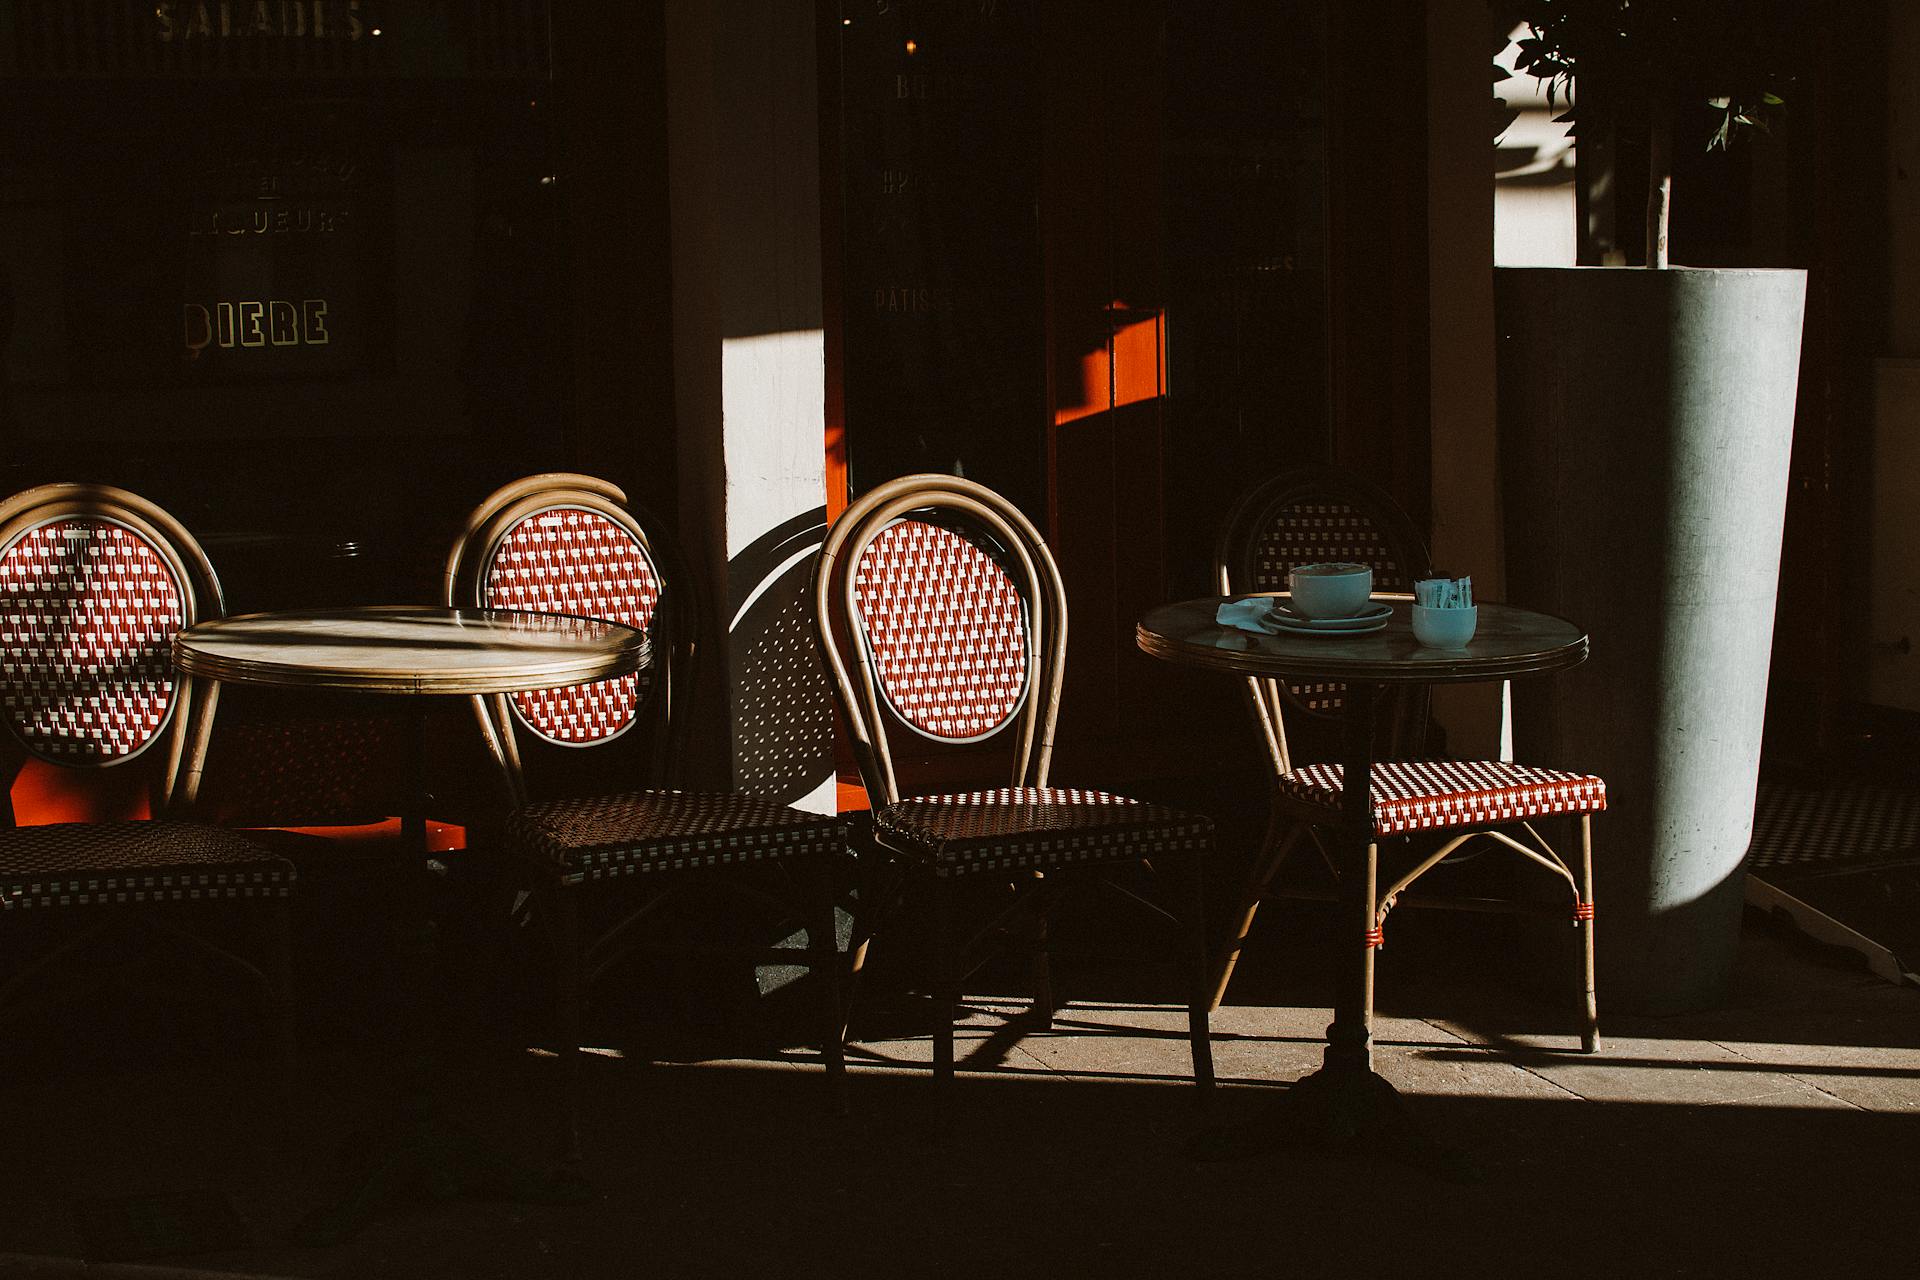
(295, 270)
(1082, 257)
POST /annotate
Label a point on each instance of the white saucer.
(1371, 618)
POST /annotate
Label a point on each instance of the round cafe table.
(1346, 1102)
(408, 649)
(413, 650)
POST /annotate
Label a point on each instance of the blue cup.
(1444, 628)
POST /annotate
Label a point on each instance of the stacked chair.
(943, 623)
(598, 867)
(1317, 514)
(96, 583)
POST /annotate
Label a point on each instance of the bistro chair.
(943, 623)
(565, 543)
(1316, 514)
(97, 582)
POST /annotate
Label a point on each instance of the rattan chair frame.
(181, 762)
(674, 643)
(871, 724)
(673, 633)
(1234, 572)
(1288, 821)
(873, 727)
(190, 712)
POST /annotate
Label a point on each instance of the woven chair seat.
(636, 832)
(1035, 827)
(1432, 795)
(73, 864)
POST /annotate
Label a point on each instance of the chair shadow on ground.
(735, 1169)
(1063, 1156)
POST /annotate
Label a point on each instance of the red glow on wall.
(1129, 369)
(442, 837)
(45, 793)
(849, 795)
(838, 496)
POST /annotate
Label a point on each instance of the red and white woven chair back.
(567, 559)
(947, 630)
(91, 609)
(1320, 530)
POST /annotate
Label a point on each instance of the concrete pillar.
(1646, 423)
(743, 167)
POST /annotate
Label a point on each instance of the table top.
(1509, 641)
(409, 649)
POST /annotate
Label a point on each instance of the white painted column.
(743, 164)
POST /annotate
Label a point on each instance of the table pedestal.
(418, 1149)
(1345, 1106)
(416, 651)
(428, 1156)
(1337, 1110)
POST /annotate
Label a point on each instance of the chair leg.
(857, 947)
(279, 971)
(569, 1011)
(1370, 885)
(874, 899)
(1201, 1002)
(823, 945)
(1041, 970)
(946, 984)
(1274, 851)
(1590, 1027)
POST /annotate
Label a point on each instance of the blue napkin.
(1248, 615)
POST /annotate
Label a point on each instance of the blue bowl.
(1330, 590)
(1444, 628)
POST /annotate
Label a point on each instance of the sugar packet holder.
(1444, 593)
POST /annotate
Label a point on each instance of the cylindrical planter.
(1646, 419)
